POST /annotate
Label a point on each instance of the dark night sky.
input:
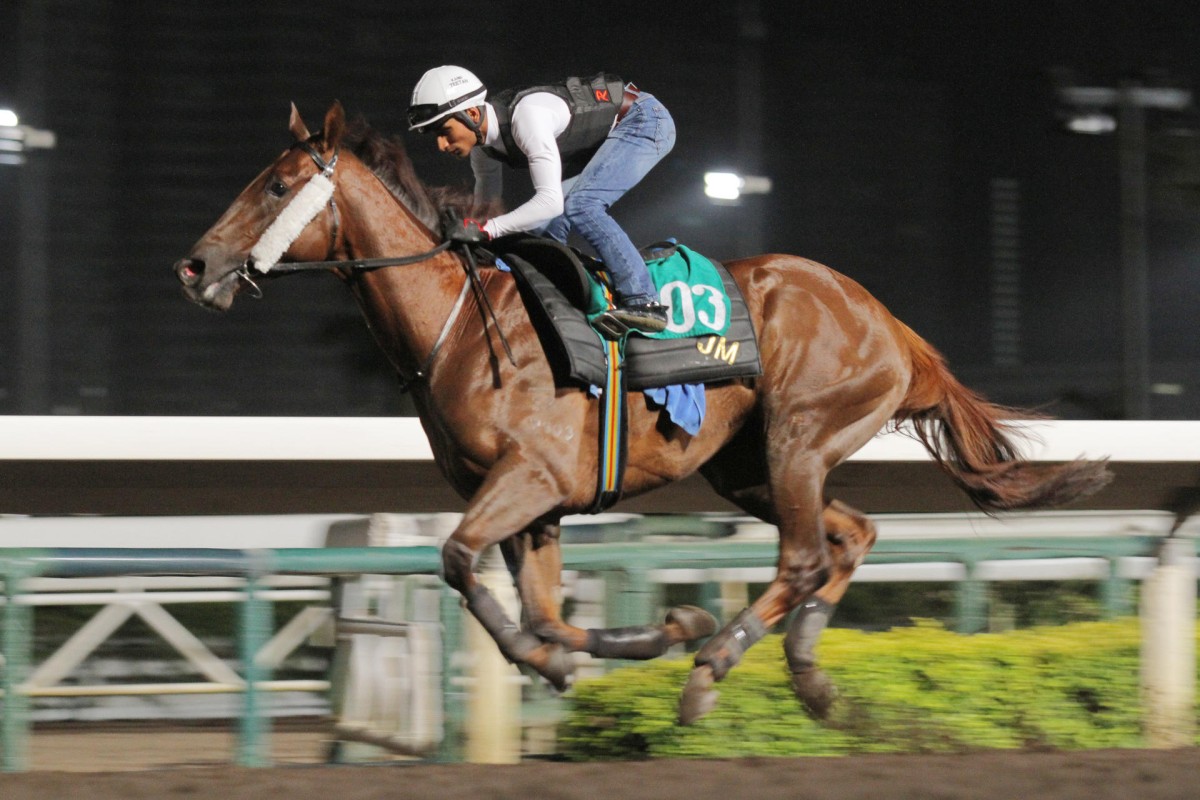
(884, 126)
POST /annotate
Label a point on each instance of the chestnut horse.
(837, 368)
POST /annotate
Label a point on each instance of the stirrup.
(654, 320)
(610, 327)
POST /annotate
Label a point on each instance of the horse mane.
(387, 157)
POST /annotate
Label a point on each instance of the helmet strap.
(465, 119)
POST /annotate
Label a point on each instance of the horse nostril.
(189, 271)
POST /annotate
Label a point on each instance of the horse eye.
(277, 189)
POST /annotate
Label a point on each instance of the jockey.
(585, 143)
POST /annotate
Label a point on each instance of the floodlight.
(723, 185)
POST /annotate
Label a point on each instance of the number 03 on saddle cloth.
(687, 283)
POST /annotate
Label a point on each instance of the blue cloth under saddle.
(684, 403)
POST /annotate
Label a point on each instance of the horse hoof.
(693, 622)
(816, 691)
(554, 663)
(698, 696)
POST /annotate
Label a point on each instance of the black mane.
(387, 157)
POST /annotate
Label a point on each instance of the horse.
(837, 368)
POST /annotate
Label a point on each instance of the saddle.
(556, 284)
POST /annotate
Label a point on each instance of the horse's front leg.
(511, 498)
(535, 560)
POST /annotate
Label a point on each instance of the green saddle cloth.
(689, 285)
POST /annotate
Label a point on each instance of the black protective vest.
(594, 103)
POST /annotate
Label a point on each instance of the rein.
(361, 264)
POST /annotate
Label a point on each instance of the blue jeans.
(633, 147)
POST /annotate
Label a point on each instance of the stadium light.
(723, 185)
(15, 138)
(1092, 123)
(729, 186)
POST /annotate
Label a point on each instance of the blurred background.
(1015, 180)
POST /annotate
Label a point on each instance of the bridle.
(317, 195)
(298, 223)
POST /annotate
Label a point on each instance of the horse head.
(284, 214)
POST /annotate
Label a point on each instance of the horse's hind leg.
(740, 476)
(535, 560)
(804, 566)
(851, 535)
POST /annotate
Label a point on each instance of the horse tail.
(971, 441)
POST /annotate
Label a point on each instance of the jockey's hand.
(466, 231)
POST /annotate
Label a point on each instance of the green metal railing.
(626, 565)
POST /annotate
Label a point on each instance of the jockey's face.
(455, 138)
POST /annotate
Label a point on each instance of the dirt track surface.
(1095, 775)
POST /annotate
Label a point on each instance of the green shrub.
(914, 689)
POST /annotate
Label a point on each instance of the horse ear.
(297, 126)
(335, 124)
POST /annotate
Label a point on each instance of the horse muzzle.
(201, 289)
(189, 271)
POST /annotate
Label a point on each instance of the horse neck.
(405, 306)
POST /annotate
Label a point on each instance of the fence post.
(494, 700)
(1116, 592)
(634, 598)
(18, 646)
(254, 733)
(1169, 647)
(710, 600)
(454, 706)
(972, 601)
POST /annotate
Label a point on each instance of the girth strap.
(614, 433)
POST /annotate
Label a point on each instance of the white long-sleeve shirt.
(537, 121)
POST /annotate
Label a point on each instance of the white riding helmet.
(441, 92)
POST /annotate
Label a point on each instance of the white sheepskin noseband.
(294, 218)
